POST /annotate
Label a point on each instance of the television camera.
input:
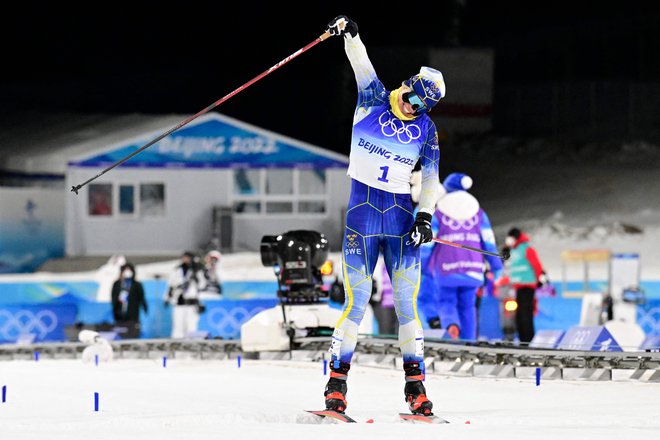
(300, 261)
(297, 258)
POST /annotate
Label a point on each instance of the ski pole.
(323, 37)
(504, 256)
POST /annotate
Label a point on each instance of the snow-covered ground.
(192, 399)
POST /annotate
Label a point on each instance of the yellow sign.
(585, 255)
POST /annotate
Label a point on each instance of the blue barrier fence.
(45, 308)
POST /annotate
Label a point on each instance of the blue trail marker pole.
(36, 356)
(96, 402)
(96, 359)
(164, 361)
(538, 376)
(325, 367)
(4, 393)
(238, 361)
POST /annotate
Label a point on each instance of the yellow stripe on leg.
(349, 292)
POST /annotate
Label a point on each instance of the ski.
(419, 418)
(405, 417)
(341, 417)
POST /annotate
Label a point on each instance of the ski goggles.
(413, 99)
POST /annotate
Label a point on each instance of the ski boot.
(336, 388)
(414, 390)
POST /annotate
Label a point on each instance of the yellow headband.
(394, 104)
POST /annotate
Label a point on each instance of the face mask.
(510, 241)
(127, 274)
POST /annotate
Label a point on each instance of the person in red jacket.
(526, 274)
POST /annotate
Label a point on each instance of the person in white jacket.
(185, 283)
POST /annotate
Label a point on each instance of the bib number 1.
(383, 176)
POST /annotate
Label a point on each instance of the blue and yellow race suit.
(384, 150)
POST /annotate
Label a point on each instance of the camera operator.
(185, 284)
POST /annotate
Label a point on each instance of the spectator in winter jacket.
(127, 298)
(526, 274)
(456, 274)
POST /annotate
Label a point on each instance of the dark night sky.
(157, 57)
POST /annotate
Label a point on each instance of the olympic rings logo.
(225, 321)
(455, 225)
(22, 322)
(391, 126)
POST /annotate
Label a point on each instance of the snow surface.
(140, 399)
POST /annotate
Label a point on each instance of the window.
(132, 200)
(152, 199)
(280, 191)
(246, 182)
(279, 207)
(311, 207)
(126, 199)
(99, 201)
(247, 207)
(312, 181)
(279, 182)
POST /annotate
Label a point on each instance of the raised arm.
(371, 91)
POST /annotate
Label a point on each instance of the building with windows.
(217, 181)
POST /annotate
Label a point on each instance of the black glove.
(421, 230)
(341, 25)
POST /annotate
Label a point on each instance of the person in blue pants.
(392, 131)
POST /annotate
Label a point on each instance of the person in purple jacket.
(456, 274)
